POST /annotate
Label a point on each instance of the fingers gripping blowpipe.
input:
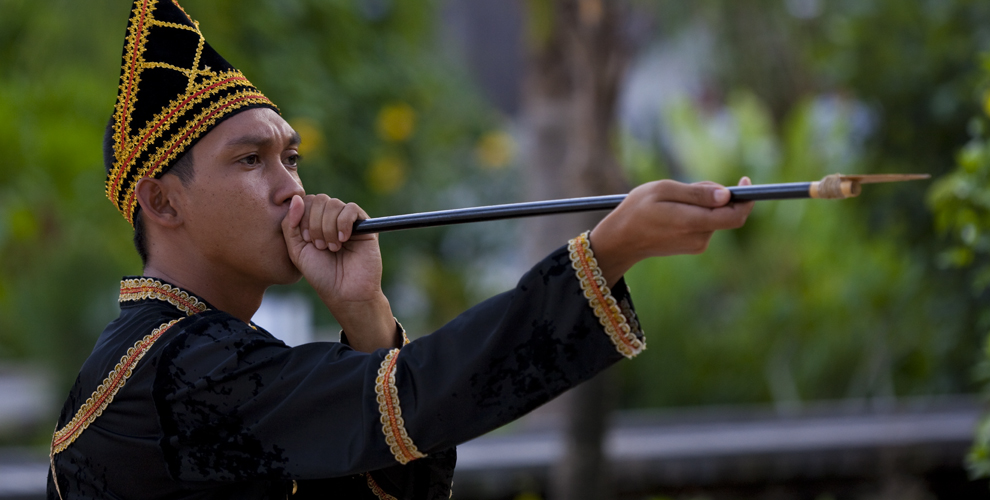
(831, 187)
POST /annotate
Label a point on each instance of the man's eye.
(250, 160)
(293, 160)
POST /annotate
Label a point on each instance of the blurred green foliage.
(961, 204)
(805, 302)
(816, 299)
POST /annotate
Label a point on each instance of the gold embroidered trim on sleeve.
(402, 330)
(600, 298)
(377, 490)
(148, 288)
(631, 317)
(104, 394)
(393, 426)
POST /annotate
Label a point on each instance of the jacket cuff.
(616, 316)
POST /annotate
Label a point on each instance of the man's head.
(174, 88)
(222, 211)
(181, 112)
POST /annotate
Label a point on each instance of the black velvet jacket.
(199, 404)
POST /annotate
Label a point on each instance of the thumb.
(702, 194)
(290, 225)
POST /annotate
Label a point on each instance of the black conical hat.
(174, 88)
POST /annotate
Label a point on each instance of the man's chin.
(286, 273)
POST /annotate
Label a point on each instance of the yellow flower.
(396, 122)
(495, 149)
(310, 133)
(387, 174)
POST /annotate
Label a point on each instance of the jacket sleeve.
(235, 403)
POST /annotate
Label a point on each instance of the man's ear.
(157, 200)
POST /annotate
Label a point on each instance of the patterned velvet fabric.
(218, 408)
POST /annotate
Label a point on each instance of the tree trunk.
(577, 56)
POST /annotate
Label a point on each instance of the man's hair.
(182, 168)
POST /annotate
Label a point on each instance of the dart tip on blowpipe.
(839, 187)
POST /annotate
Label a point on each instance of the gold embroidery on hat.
(166, 24)
(195, 66)
(176, 2)
(137, 36)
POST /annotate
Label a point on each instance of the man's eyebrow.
(261, 140)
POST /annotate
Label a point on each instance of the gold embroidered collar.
(134, 289)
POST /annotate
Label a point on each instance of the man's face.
(245, 177)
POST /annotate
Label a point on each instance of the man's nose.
(287, 184)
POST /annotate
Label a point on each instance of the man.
(183, 397)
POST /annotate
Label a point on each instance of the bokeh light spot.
(396, 122)
(495, 149)
(387, 174)
(310, 133)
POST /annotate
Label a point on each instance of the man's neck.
(226, 293)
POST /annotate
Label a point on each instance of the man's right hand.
(344, 269)
(664, 218)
